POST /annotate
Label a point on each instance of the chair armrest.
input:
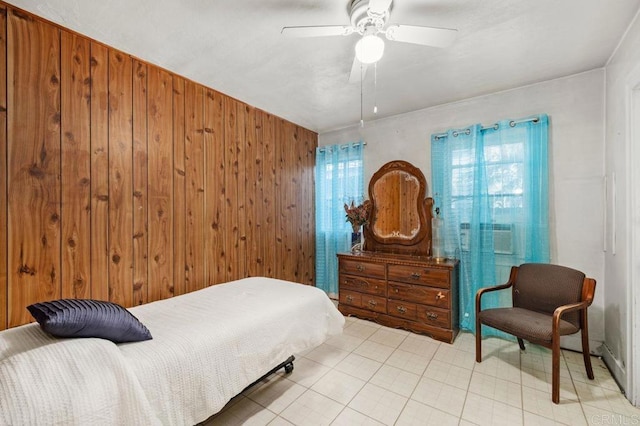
(489, 289)
(588, 289)
(512, 279)
(561, 310)
(494, 288)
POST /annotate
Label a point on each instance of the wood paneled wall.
(121, 181)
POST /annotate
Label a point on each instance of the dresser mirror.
(400, 219)
(399, 190)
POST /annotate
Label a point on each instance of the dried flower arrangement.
(358, 215)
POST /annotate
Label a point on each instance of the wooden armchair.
(549, 301)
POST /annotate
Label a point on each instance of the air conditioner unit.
(502, 236)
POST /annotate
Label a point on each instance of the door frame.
(633, 222)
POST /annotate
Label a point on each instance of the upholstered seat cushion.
(524, 323)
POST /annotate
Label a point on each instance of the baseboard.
(615, 366)
(574, 342)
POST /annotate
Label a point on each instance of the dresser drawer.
(402, 309)
(374, 303)
(414, 274)
(356, 267)
(434, 316)
(419, 294)
(363, 284)
(351, 298)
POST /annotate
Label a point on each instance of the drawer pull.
(416, 276)
(439, 296)
(360, 268)
(372, 303)
(432, 316)
(402, 309)
(349, 298)
(396, 290)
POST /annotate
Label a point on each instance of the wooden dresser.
(403, 291)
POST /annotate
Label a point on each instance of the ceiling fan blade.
(317, 31)
(427, 36)
(358, 71)
(379, 6)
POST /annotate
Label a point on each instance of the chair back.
(542, 287)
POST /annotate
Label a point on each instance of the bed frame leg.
(287, 365)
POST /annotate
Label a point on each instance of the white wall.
(622, 73)
(575, 106)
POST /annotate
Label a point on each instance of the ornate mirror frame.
(418, 242)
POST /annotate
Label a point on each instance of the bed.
(207, 347)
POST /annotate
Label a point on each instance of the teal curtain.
(339, 180)
(491, 187)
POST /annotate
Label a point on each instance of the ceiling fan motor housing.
(364, 20)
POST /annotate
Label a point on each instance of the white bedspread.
(210, 344)
(207, 347)
(46, 381)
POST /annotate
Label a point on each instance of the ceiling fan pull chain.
(361, 98)
(375, 88)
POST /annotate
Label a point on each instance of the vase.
(356, 242)
(437, 239)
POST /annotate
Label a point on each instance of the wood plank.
(160, 184)
(76, 166)
(140, 183)
(243, 111)
(302, 199)
(281, 200)
(253, 187)
(303, 212)
(3, 169)
(231, 142)
(310, 143)
(269, 200)
(99, 172)
(215, 211)
(295, 194)
(259, 215)
(33, 163)
(120, 179)
(284, 219)
(194, 169)
(280, 217)
(293, 233)
(179, 187)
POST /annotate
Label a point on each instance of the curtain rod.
(344, 146)
(495, 126)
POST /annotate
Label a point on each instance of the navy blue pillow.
(89, 318)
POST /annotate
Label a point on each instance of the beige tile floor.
(374, 375)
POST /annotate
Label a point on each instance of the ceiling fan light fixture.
(369, 49)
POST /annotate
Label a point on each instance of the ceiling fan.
(369, 20)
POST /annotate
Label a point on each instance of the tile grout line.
(535, 360)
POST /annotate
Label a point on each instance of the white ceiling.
(235, 47)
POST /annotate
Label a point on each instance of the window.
(339, 180)
(491, 187)
(504, 174)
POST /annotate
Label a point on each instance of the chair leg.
(555, 370)
(478, 339)
(521, 343)
(586, 353)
